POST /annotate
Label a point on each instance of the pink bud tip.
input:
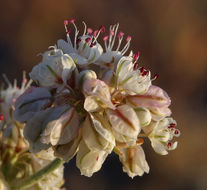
(65, 22)
(95, 33)
(105, 38)
(111, 32)
(142, 69)
(72, 21)
(135, 66)
(121, 34)
(88, 40)
(128, 38)
(89, 30)
(1, 117)
(102, 29)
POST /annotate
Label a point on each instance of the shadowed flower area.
(171, 36)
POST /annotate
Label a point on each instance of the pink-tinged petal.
(155, 97)
(160, 113)
(133, 161)
(99, 90)
(32, 101)
(124, 121)
(89, 161)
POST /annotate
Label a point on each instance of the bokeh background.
(172, 38)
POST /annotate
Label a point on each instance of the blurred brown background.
(172, 37)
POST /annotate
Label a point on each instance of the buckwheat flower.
(133, 160)
(125, 124)
(89, 161)
(161, 134)
(97, 94)
(55, 69)
(132, 81)
(85, 49)
(155, 99)
(112, 54)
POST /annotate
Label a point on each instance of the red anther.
(95, 33)
(136, 56)
(88, 40)
(92, 44)
(135, 66)
(65, 22)
(78, 41)
(128, 38)
(172, 125)
(105, 38)
(1, 117)
(145, 73)
(142, 69)
(176, 132)
(101, 29)
(69, 31)
(24, 80)
(120, 35)
(155, 76)
(72, 21)
(111, 32)
(169, 144)
(59, 80)
(89, 30)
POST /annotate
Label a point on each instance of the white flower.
(133, 160)
(33, 100)
(55, 69)
(155, 99)
(132, 81)
(89, 161)
(125, 124)
(161, 135)
(85, 49)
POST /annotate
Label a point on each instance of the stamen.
(135, 66)
(84, 28)
(176, 132)
(72, 21)
(111, 32)
(128, 39)
(136, 56)
(65, 22)
(1, 117)
(114, 37)
(95, 33)
(68, 31)
(102, 29)
(142, 69)
(89, 31)
(169, 144)
(105, 38)
(88, 40)
(121, 34)
(172, 126)
(155, 77)
(92, 44)
(145, 73)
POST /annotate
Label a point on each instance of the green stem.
(33, 179)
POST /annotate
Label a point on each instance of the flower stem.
(33, 179)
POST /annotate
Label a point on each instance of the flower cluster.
(91, 101)
(16, 162)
